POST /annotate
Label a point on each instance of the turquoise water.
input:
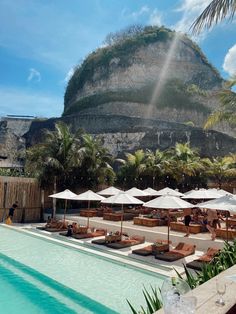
(38, 276)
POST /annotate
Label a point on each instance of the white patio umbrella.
(204, 194)
(151, 192)
(227, 203)
(65, 195)
(221, 191)
(168, 202)
(136, 192)
(169, 191)
(109, 191)
(122, 199)
(89, 196)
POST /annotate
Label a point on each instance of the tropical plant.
(227, 109)
(96, 162)
(184, 163)
(153, 302)
(157, 164)
(132, 167)
(220, 168)
(216, 11)
(56, 157)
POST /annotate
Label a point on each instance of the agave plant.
(191, 279)
(153, 302)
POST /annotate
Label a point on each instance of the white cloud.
(26, 102)
(69, 75)
(34, 75)
(155, 18)
(190, 10)
(144, 10)
(229, 64)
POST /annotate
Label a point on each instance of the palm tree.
(227, 110)
(56, 156)
(132, 167)
(184, 163)
(157, 164)
(221, 168)
(216, 11)
(96, 162)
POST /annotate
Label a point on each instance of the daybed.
(160, 245)
(55, 226)
(133, 240)
(222, 233)
(88, 213)
(180, 251)
(110, 238)
(179, 226)
(204, 259)
(149, 222)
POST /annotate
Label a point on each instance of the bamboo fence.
(29, 195)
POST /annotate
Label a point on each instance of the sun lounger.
(55, 226)
(180, 251)
(204, 259)
(150, 249)
(146, 251)
(133, 240)
(93, 234)
(110, 238)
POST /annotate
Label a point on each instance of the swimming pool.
(38, 276)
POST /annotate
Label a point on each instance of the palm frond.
(215, 12)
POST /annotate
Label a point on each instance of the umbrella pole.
(227, 228)
(168, 232)
(65, 210)
(88, 214)
(121, 222)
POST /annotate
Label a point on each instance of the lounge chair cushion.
(147, 250)
(184, 249)
(208, 256)
(169, 257)
(99, 241)
(196, 265)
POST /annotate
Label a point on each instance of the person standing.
(12, 210)
(212, 220)
(187, 219)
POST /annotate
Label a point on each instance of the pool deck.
(202, 242)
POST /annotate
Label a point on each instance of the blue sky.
(42, 40)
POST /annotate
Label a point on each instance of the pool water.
(38, 276)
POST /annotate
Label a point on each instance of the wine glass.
(220, 287)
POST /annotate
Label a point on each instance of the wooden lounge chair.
(133, 240)
(204, 259)
(148, 250)
(93, 234)
(114, 237)
(55, 226)
(180, 251)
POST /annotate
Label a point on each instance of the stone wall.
(122, 134)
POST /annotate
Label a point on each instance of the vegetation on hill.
(122, 45)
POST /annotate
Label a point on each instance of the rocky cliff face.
(12, 142)
(127, 134)
(150, 76)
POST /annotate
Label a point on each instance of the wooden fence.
(29, 195)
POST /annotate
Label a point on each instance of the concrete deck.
(206, 294)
